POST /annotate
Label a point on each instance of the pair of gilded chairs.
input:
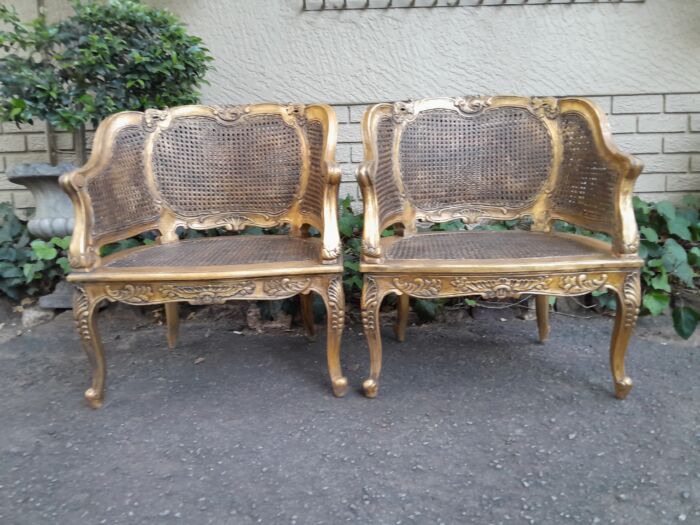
(426, 161)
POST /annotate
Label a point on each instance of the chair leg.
(306, 302)
(542, 309)
(334, 297)
(371, 301)
(628, 302)
(172, 319)
(402, 308)
(84, 310)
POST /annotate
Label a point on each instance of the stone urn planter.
(53, 216)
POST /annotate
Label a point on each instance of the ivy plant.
(28, 267)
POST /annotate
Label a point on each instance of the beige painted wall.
(272, 50)
(640, 60)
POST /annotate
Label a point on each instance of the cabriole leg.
(401, 317)
(334, 297)
(172, 319)
(84, 309)
(306, 302)
(542, 309)
(628, 301)
(371, 301)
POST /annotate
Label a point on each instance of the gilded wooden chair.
(476, 158)
(204, 167)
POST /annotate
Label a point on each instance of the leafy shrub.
(107, 57)
(28, 267)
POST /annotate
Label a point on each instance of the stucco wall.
(642, 59)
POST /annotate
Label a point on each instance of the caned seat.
(462, 251)
(496, 158)
(205, 167)
(217, 257)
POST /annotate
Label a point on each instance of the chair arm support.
(332, 249)
(603, 179)
(82, 253)
(370, 234)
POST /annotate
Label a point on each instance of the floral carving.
(331, 253)
(545, 107)
(231, 113)
(370, 299)
(286, 286)
(298, 111)
(472, 105)
(229, 222)
(336, 303)
(369, 250)
(403, 112)
(419, 287)
(81, 313)
(155, 117)
(131, 293)
(632, 294)
(208, 293)
(503, 287)
(582, 283)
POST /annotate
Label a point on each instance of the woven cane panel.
(586, 186)
(222, 251)
(119, 194)
(313, 196)
(388, 198)
(501, 157)
(253, 165)
(486, 245)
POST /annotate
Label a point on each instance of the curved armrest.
(332, 249)
(109, 193)
(370, 234)
(320, 200)
(596, 183)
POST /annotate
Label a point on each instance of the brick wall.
(662, 130)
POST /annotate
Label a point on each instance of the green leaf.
(679, 226)
(666, 209)
(685, 320)
(660, 281)
(673, 255)
(64, 264)
(649, 234)
(426, 310)
(685, 273)
(43, 250)
(694, 256)
(62, 243)
(656, 301)
(472, 302)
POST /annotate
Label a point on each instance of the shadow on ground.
(474, 423)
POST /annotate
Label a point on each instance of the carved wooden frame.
(622, 225)
(624, 283)
(616, 269)
(85, 246)
(208, 285)
(88, 296)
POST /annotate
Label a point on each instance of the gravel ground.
(475, 423)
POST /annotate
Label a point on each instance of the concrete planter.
(53, 215)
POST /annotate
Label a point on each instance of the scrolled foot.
(623, 387)
(94, 398)
(340, 386)
(371, 388)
